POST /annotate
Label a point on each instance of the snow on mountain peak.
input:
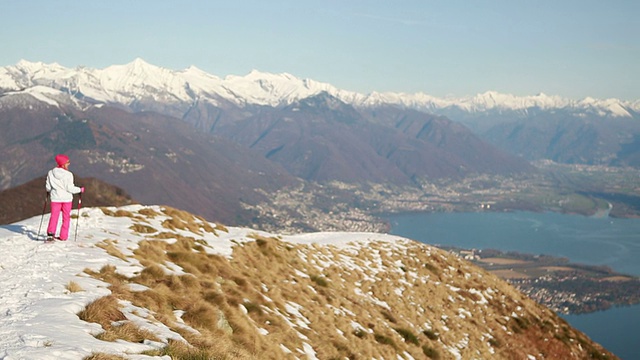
(194, 70)
(606, 107)
(274, 89)
(39, 66)
(140, 80)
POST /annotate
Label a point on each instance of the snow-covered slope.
(244, 294)
(138, 80)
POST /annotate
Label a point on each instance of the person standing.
(60, 188)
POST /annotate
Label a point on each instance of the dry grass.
(127, 331)
(101, 356)
(123, 213)
(222, 228)
(73, 287)
(107, 212)
(182, 351)
(414, 300)
(104, 311)
(151, 252)
(179, 219)
(148, 212)
(169, 292)
(109, 246)
(142, 229)
(108, 273)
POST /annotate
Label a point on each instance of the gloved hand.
(82, 189)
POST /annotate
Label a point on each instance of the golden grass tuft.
(109, 246)
(73, 287)
(103, 356)
(107, 212)
(201, 315)
(177, 224)
(127, 331)
(151, 252)
(142, 229)
(220, 350)
(165, 235)
(104, 311)
(121, 291)
(108, 273)
(155, 301)
(206, 226)
(222, 228)
(148, 212)
(269, 246)
(123, 213)
(179, 219)
(151, 275)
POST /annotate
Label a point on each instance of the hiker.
(60, 189)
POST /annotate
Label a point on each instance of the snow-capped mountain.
(139, 80)
(244, 108)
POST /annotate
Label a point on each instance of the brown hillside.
(27, 200)
(307, 296)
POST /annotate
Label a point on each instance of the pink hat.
(61, 159)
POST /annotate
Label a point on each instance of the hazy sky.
(571, 48)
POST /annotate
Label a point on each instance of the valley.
(577, 189)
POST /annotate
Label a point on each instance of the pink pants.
(56, 207)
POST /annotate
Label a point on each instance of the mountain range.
(186, 137)
(207, 101)
(139, 80)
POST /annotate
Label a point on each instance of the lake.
(588, 240)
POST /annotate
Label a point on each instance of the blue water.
(588, 240)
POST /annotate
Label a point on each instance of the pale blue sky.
(571, 48)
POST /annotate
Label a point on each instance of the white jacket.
(60, 185)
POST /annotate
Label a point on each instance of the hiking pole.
(44, 208)
(78, 219)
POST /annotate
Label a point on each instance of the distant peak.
(193, 68)
(31, 65)
(139, 62)
(195, 71)
(256, 74)
(24, 62)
